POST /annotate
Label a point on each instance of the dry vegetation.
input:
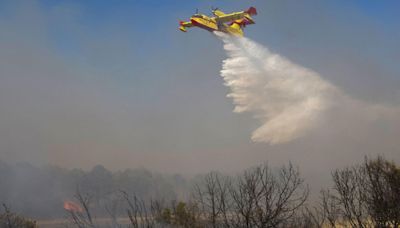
(365, 195)
(9, 219)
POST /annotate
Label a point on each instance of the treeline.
(364, 195)
(40, 192)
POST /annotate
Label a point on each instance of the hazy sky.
(116, 83)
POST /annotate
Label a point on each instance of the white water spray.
(287, 98)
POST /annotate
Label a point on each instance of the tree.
(80, 213)
(212, 195)
(138, 212)
(383, 192)
(9, 219)
(330, 207)
(185, 215)
(263, 198)
(349, 183)
(365, 195)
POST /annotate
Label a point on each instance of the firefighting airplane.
(231, 23)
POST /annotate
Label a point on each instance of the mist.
(77, 91)
(92, 96)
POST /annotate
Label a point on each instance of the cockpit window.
(198, 15)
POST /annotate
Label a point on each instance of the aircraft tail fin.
(251, 11)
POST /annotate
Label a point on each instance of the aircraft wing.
(224, 18)
(229, 17)
(218, 13)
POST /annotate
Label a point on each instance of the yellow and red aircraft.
(231, 23)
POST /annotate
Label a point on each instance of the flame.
(72, 207)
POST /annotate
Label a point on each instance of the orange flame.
(72, 207)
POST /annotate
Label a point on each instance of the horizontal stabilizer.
(183, 25)
(183, 29)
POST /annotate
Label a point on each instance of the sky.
(116, 83)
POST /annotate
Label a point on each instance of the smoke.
(286, 98)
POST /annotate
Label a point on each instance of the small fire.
(72, 206)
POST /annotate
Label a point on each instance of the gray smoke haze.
(92, 96)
